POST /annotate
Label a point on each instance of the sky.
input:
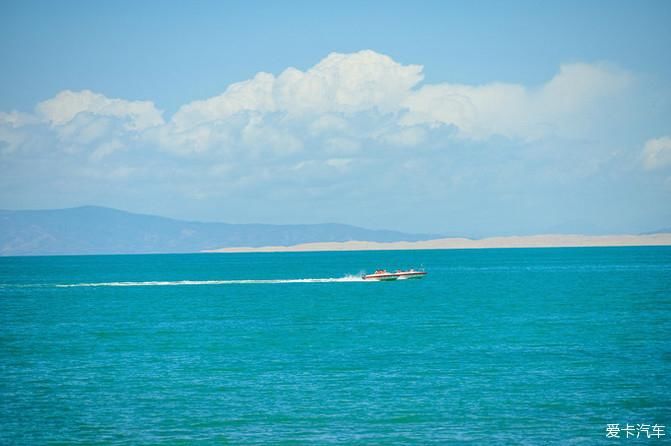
(456, 118)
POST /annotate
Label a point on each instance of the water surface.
(504, 346)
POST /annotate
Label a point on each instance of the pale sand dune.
(532, 241)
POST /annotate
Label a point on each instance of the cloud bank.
(341, 103)
(351, 126)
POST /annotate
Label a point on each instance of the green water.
(510, 346)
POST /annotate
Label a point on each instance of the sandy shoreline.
(532, 241)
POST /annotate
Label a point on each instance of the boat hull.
(380, 277)
(415, 275)
(399, 275)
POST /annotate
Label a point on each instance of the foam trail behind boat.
(214, 282)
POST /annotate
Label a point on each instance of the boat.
(384, 275)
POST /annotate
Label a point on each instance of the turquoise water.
(509, 346)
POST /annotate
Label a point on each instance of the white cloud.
(512, 110)
(12, 134)
(328, 123)
(578, 84)
(258, 133)
(15, 119)
(347, 83)
(321, 98)
(85, 129)
(106, 149)
(66, 105)
(193, 141)
(328, 119)
(10, 140)
(408, 136)
(347, 130)
(657, 153)
(342, 104)
(341, 145)
(255, 94)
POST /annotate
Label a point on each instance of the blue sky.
(473, 118)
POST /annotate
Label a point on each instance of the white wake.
(215, 282)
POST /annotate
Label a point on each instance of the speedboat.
(383, 274)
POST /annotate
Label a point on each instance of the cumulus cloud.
(251, 95)
(296, 105)
(657, 153)
(359, 118)
(343, 104)
(105, 149)
(347, 83)
(340, 83)
(513, 110)
(15, 119)
(341, 92)
(66, 105)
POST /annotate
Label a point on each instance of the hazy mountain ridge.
(658, 231)
(100, 230)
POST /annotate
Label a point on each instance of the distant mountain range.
(659, 231)
(99, 230)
